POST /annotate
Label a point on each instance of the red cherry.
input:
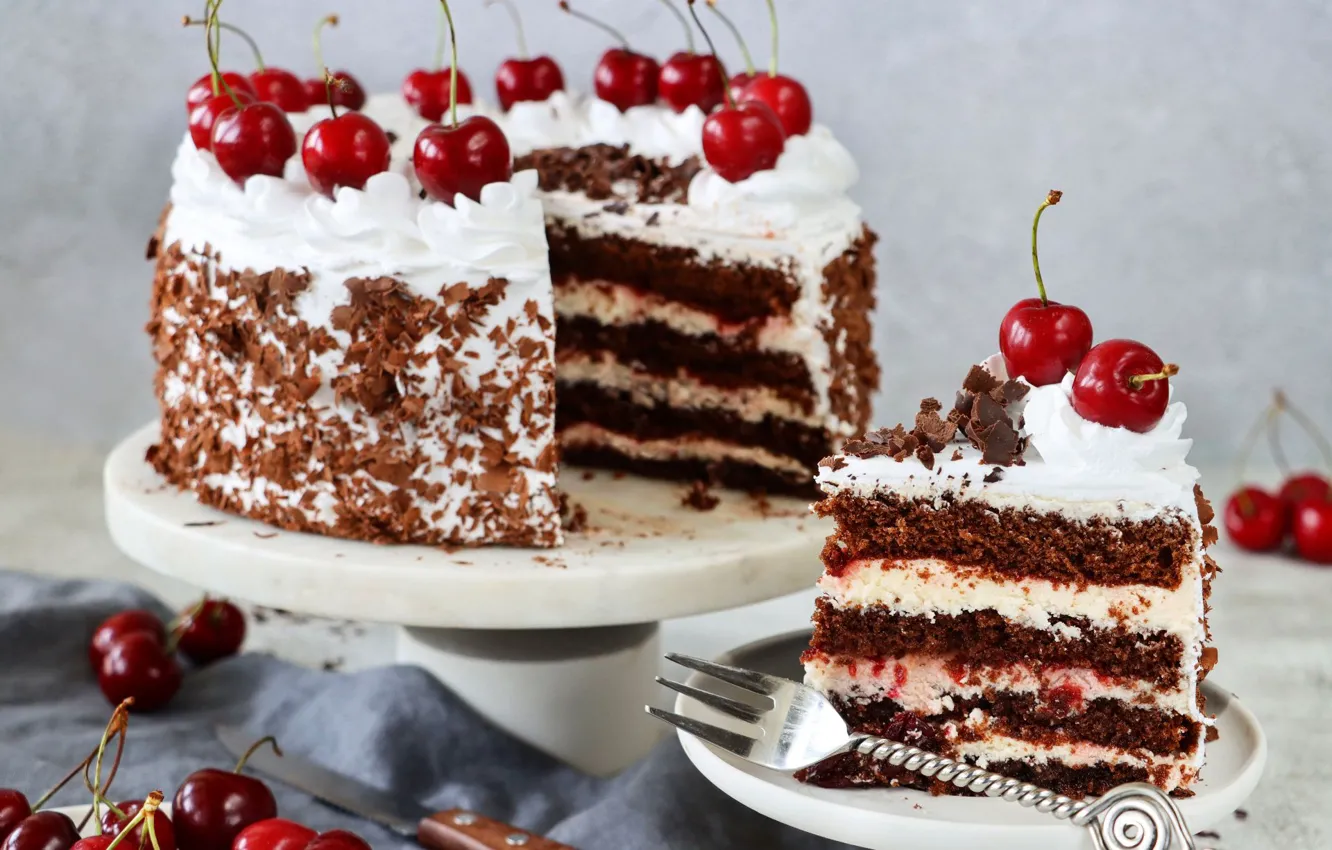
(45, 830)
(692, 79)
(347, 92)
(1043, 342)
(274, 834)
(1122, 384)
(1313, 530)
(14, 807)
(519, 80)
(138, 837)
(338, 839)
(786, 97)
(428, 91)
(1305, 486)
(344, 151)
(139, 666)
(740, 82)
(255, 139)
(212, 806)
(741, 140)
(205, 115)
(202, 89)
(462, 159)
(282, 88)
(1255, 519)
(116, 626)
(95, 842)
(625, 78)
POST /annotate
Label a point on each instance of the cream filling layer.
(929, 586)
(752, 404)
(616, 304)
(585, 435)
(923, 684)
(997, 748)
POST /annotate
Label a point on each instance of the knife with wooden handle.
(457, 829)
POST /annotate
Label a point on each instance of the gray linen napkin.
(394, 727)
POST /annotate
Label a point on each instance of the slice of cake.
(705, 329)
(375, 365)
(1014, 585)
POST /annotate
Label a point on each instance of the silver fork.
(798, 727)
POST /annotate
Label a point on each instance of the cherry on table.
(338, 839)
(138, 837)
(274, 834)
(462, 159)
(45, 830)
(428, 91)
(1122, 384)
(138, 666)
(1312, 530)
(1303, 487)
(212, 807)
(346, 150)
(255, 139)
(742, 140)
(14, 807)
(1042, 340)
(202, 89)
(787, 97)
(1255, 519)
(118, 625)
(215, 628)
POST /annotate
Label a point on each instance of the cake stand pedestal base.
(577, 694)
(557, 646)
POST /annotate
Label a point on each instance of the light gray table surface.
(1272, 619)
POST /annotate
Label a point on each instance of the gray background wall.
(1190, 137)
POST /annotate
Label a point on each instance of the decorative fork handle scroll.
(1136, 816)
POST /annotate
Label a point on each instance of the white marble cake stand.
(557, 646)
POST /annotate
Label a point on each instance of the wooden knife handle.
(460, 829)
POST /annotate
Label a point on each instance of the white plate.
(895, 819)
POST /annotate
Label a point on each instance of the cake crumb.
(1208, 834)
(699, 497)
(1241, 814)
(573, 516)
(332, 665)
(269, 535)
(588, 475)
(957, 454)
(204, 523)
(994, 475)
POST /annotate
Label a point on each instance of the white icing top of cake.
(1072, 466)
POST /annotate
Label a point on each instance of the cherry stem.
(601, 25)
(772, 18)
(1307, 425)
(267, 739)
(327, 20)
(517, 25)
(726, 88)
(116, 726)
(1169, 370)
(177, 627)
(739, 39)
(1051, 199)
(215, 48)
(679, 16)
(254, 46)
(146, 813)
(453, 67)
(329, 82)
(55, 789)
(1266, 419)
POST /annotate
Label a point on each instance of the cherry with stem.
(344, 150)
(623, 77)
(525, 78)
(741, 138)
(1122, 383)
(785, 95)
(689, 78)
(466, 156)
(428, 90)
(271, 84)
(349, 96)
(213, 806)
(203, 116)
(1306, 485)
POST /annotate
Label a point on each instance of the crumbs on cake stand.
(699, 496)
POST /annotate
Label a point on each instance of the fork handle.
(1135, 816)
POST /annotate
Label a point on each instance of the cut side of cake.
(705, 329)
(1032, 601)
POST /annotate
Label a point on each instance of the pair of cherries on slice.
(1119, 383)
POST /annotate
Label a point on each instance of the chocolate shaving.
(652, 220)
(994, 475)
(594, 170)
(617, 208)
(928, 435)
(833, 463)
(392, 137)
(153, 244)
(980, 413)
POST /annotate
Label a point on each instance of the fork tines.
(751, 680)
(727, 740)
